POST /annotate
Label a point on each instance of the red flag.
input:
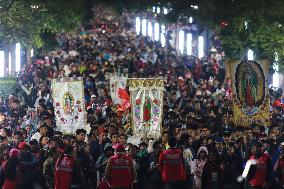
(122, 93)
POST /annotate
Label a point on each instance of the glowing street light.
(156, 31)
(144, 27)
(18, 57)
(150, 29)
(165, 11)
(250, 55)
(189, 44)
(200, 46)
(2, 63)
(275, 77)
(181, 41)
(138, 25)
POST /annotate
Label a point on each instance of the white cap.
(93, 96)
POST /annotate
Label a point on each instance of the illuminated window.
(138, 25)
(157, 31)
(200, 47)
(189, 44)
(144, 27)
(181, 41)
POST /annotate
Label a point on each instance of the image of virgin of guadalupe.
(68, 103)
(250, 86)
(250, 91)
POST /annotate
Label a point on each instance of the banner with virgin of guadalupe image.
(147, 105)
(250, 92)
(68, 101)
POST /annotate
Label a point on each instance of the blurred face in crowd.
(248, 133)
(48, 122)
(231, 151)
(257, 151)
(81, 137)
(122, 139)
(2, 118)
(202, 155)
(44, 141)
(40, 109)
(52, 145)
(204, 132)
(165, 138)
(3, 133)
(17, 139)
(219, 146)
(43, 131)
(114, 139)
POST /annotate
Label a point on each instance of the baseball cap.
(14, 153)
(119, 147)
(22, 145)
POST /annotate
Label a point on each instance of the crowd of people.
(199, 148)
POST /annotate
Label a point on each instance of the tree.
(25, 21)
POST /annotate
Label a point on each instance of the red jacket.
(121, 171)
(64, 172)
(259, 178)
(171, 165)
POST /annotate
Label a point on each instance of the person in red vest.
(259, 176)
(172, 166)
(68, 173)
(279, 168)
(120, 170)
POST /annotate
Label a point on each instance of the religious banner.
(68, 101)
(250, 92)
(147, 105)
(118, 92)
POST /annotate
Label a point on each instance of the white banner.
(147, 106)
(117, 83)
(68, 101)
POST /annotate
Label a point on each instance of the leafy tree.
(26, 21)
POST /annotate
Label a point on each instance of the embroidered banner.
(68, 100)
(250, 92)
(147, 104)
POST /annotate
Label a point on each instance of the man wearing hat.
(120, 170)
